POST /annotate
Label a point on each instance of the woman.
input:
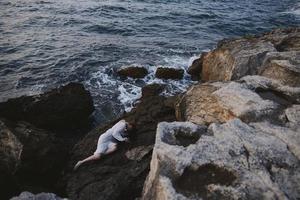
(108, 141)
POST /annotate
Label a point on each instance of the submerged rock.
(132, 71)
(67, 107)
(169, 73)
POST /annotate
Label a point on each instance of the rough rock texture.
(10, 158)
(67, 107)
(233, 59)
(169, 73)
(132, 71)
(233, 160)
(254, 98)
(196, 68)
(31, 158)
(120, 175)
(40, 196)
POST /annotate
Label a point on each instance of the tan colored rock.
(229, 161)
(219, 102)
(200, 106)
(233, 59)
(282, 66)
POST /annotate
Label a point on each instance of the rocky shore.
(232, 135)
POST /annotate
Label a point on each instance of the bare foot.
(77, 165)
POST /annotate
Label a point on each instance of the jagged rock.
(293, 114)
(195, 69)
(10, 158)
(169, 73)
(291, 43)
(282, 66)
(40, 196)
(152, 90)
(132, 71)
(33, 158)
(251, 100)
(67, 107)
(120, 175)
(229, 161)
(233, 59)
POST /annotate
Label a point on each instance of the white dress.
(108, 139)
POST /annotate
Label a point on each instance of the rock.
(33, 159)
(248, 100)
(120, 175)
(67, 107)
(10, 158)
(282, 66)
(195, 69)
(152, 90)
(132, 71)
(40, 196)
(293, 114)
(169, 73)
(229, 161)
(233, 59)
(138, 153)
(291, 43)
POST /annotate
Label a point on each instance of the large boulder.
(233, 59)
(67, 107)
(31, 158)
(132, 71)
(120, 175)
(228, 161)
(282, 66)
(252, 99)
(169, 73)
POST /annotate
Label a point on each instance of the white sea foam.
(130, 90)
(129, 94)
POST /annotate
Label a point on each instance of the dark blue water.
(46, 43)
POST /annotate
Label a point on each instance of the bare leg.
(90, 158)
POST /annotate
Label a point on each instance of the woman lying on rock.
(108, 141)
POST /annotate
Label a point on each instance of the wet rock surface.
(132, 71)
(67, 107)
(169, 73)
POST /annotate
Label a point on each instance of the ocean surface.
(47, 43)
